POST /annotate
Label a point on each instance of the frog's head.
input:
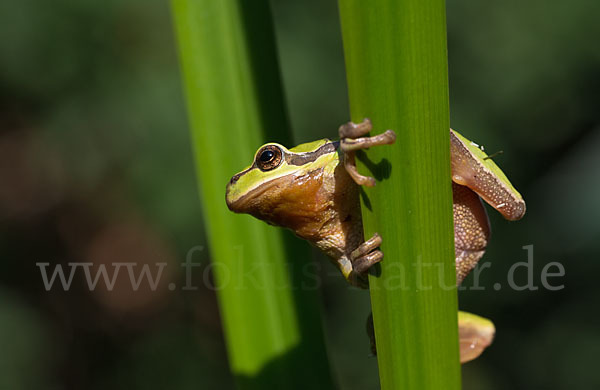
(282, 184)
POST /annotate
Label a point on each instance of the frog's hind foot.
(367, 254)
(351, 140)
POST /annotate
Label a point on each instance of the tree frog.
(313, 189)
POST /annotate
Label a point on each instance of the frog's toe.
(354, 130)
(366, 247)
(367, 254)
(352, 144)
(350, 165)
(363, 263)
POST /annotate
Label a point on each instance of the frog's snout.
(232, 196)
(228, 199)
(233, 180)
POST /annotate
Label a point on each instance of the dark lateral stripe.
(296, 159)
(304, 158)
(236, 177)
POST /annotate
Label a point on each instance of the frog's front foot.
(367, 254)
(355, 266)
(351, 140)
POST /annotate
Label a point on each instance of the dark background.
(96, 166)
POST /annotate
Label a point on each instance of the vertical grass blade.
(235, 103)
(396, 64)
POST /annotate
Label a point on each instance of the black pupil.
(267, 156)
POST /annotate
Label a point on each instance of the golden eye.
(269, 157)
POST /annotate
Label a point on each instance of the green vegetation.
(235, 103)
(396, 65)
(94, 135)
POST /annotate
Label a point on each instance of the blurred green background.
(96, 167)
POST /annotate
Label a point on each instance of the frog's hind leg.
(471, 229)
(351, 140)
(466, 260)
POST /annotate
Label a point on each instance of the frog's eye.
(269, 157)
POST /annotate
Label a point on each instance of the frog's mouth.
(287, 192)
(243, 204)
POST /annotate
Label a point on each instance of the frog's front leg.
(354, 267)
(351, 140)
(353, 277)
(367, 254)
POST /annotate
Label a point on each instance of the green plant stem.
(396, 64)
(270, 312)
